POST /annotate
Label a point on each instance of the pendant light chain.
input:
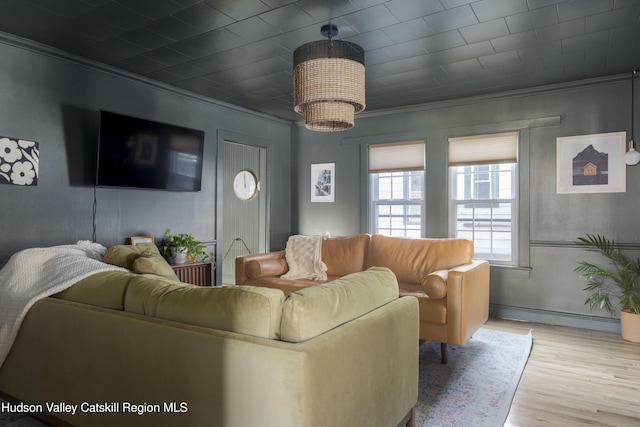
(632, 156)
(633, 75)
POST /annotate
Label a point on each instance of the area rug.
(477, 386)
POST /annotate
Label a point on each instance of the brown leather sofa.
(452, 288)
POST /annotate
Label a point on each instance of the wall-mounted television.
(138, 153)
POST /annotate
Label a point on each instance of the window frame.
(405, 157)
(406, 201)
(485, 148)
(514, 209)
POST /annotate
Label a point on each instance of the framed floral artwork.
(19, 160)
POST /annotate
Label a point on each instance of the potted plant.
(183, 248)
(617, 284)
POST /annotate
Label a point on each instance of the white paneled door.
(244, 204)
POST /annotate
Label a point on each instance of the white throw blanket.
(36, 273)
(304, 257)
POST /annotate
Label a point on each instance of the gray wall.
(544, 288)
(55, 101)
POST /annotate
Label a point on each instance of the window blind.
(402, 156)
(484, 149)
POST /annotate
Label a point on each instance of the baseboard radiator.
(199, 274)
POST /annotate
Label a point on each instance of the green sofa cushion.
(247, 310)
(104, 289)
(312, 311)
(124, 255)
(145, 291)
(152, 264)
(143, 258)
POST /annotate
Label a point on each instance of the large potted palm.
(618, 284)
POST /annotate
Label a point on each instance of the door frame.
(248, 140)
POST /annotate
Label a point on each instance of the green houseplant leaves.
(617, 282)
(195, 248)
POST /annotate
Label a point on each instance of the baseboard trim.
(594, 323)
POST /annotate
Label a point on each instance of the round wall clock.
(245, 185)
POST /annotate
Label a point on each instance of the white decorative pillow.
(304, 257)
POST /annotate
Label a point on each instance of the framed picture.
(146, 149)
(323, 181)
(19, 162)
(136, 240)
(591, 163)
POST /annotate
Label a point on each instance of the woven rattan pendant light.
(328, 82)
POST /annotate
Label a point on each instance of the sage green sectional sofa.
(142, 350)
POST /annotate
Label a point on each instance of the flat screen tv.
(138, 153)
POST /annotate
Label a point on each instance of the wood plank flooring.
(575, 377)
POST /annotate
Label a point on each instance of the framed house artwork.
(146, 149)
(591, 163)
(323, 181)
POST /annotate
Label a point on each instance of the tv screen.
(139, 153)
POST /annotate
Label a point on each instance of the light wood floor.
(575, 377)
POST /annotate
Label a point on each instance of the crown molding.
(45, 50)
(42, 49)
(498, 96)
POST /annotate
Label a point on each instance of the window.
(483, 194)
(396, 180)
(397, 203)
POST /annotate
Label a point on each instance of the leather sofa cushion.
(287, 286)
(247, 310)
(435, 284)
(449, 253)
(345, 255)
(412, 259)
(312, 311)
(431, 310)
(258, 268)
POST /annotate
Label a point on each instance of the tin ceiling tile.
(416, 51)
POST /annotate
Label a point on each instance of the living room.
(54, 98)
(63, 97)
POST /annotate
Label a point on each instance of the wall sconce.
(632, 157)
(328, 82)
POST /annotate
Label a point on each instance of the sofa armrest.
(467, 300)
(435, 284)
(242, 264)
